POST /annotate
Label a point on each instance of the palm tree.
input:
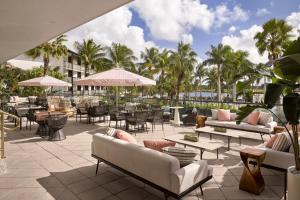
(273, 38)
(183, 61)
(211, 78)
(200, 73)
(91, 54)
(163, 67)
(217, 56)
(121, 56)
(150, 60)
(54, 48)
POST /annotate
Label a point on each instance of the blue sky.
(163, 23)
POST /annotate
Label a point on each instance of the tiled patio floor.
(39, 169)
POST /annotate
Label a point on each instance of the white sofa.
(155, 168)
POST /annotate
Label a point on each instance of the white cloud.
(262, 12)
(272, 4)
(244, 41)
(171, 19)
(294, 20)
(112, 27)
(187, 38)
(232, 29)
(225, 16)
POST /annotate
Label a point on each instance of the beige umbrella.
(116, 77)
(44, 81)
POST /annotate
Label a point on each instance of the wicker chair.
(138, 119)
(116, 115)
(156, 116)
(96, 111)
(56, 124)
(81, 112)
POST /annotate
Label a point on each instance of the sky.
(202, 23)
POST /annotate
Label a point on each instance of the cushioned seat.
(160, 169)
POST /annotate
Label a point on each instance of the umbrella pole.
(117, 91)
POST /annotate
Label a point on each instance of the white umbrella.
(116, 77)
(44, 81)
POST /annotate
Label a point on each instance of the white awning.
(24, 64)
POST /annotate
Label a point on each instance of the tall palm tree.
(217, 56)
(200, 73)
(183, 61)
(211, 78)
(273, 38)
(150, 60)
(54, 48)
(121, 56)
(91, 54)
(163, 67)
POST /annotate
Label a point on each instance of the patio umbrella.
(44, 81)
(116, 77)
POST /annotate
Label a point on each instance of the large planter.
(293, 184)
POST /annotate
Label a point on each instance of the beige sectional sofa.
(154, 168)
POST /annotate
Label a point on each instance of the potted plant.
(285, 76)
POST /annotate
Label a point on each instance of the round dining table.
(41, 120)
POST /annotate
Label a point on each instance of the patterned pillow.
(111, 132)
(185, 156)
(271, 141)
(282, 142)
(265, 118)
(158, 144)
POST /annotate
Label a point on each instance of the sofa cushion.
(122, 135)
(185, 156)
(223, 115)
(265, 118)
(158, 144)
(271, 141)
(253, 118)
(282, 143)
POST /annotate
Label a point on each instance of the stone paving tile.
(40, 169)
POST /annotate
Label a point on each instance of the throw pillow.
(158, 144)
(185, 156)
(214, 114)
(223, 115)
(265, 118)
(282, 143)
(271, 141)
(253, 118)
(122, 135)
(111, 132)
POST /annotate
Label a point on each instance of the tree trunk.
(86, 70)
(46, 65)
(234, 92)
(219, 83)
(178, 87)
(200, 87)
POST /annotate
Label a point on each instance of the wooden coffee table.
(203, 144)
(252, 180)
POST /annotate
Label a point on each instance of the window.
(69, 59)
(78, 74)
(97, 87)
(92, 88)
(78, 61)
(86, 87)
(70, 73)
(71, 88)
(78, 87)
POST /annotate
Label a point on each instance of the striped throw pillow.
(111, 132)
(282, 143)
(185, 156)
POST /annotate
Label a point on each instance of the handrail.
(2, 128)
